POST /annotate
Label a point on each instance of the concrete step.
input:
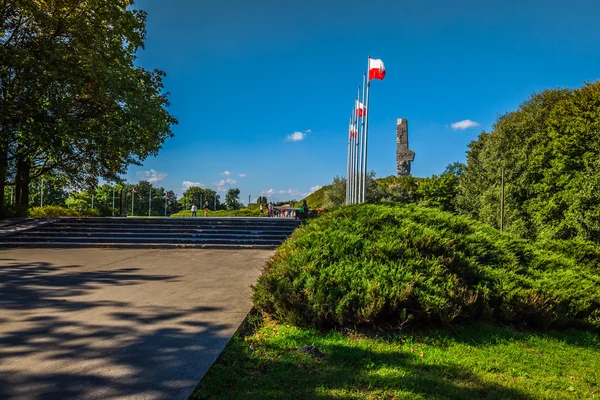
(240, 239)
(135, 245)
(237, 221)
(152, 232)
(166, 235)
(165, 228)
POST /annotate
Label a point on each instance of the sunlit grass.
(471, 362)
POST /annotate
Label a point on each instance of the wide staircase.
(266, 233)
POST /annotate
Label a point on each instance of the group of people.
(274, 211)
(194, 209)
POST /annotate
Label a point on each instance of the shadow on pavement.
(58, 341)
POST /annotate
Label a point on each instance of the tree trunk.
(3, 171)
(22, 185)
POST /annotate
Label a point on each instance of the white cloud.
(221, 189)
(297, 136)
(226, 173)
(288, 194)
(464, 124)
(151, 176)
(224, 182)
(189, 184)
(242, 175)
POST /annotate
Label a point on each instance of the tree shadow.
(269, 365)
(485, 334)
(347, 372)
(58, 343)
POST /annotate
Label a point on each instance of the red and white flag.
(133, 191)
(376, 69)
(361, 110)
(353, 131)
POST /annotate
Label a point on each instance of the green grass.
(471, 362)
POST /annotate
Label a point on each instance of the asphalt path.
(118, 324)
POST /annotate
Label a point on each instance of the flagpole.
(352, 156)
(132, 197)
(113, 204)
(356, 160)
(366, 134)
(150, 202)
(348, 163)
(356, 154)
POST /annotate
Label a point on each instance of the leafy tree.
(335, 193)
(72, 102)
(549, 149)
(232, 199)
(197, 196)
(262, 200)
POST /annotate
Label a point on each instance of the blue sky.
(244, 75)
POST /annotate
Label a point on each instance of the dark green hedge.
(391, 265)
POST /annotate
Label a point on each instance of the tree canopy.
(550, 151)
(73, 104)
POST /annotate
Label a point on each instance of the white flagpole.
(366, 134)
(150, 202)
(132, 197)
(352, 156)
(348, 163)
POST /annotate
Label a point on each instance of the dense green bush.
(385, 264)
(57, 211)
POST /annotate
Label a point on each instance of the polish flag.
(361, 110)
(376, 69)
(353, 131)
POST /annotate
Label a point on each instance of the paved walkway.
(114, 324)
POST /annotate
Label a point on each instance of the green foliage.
(315, 200)
(232, 199)
(384, 264)
(73, 103)
(198, 196)
(57, 211)
(550, 151)
(441, 191)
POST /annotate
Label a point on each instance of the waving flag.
(361, 110)
(353, 131)
(133, 191)
(376, 69)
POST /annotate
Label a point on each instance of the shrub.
(57, 211)
(52, 212)
(384, 264)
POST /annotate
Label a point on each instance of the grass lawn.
(472, 362)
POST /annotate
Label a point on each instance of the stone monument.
(404, 156)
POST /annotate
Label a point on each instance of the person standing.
(261, 209)
(194, 209)
(206, 208)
